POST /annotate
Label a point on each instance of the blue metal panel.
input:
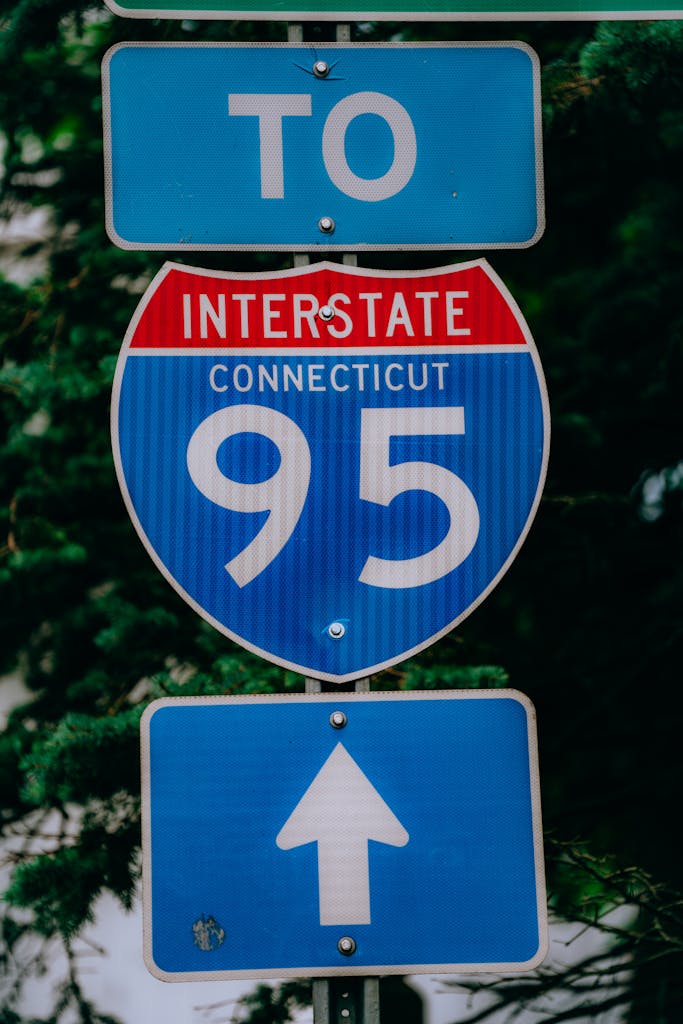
(500, 459)
(184, 172)
(222, 777)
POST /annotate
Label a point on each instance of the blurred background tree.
(588, 620)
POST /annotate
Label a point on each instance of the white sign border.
(444, 17)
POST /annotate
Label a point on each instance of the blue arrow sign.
(226, 146)
(271, 832)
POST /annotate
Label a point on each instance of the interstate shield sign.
(332, 465)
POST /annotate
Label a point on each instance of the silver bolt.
(346, 946)
(338, 719)
(321, 69)
(326, 225)
(336, 630)
(326, 313)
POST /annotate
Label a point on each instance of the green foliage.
(73, 761)
(61, 887)
(587, 621)
(432, 674)
(266, 1005)
(636, 57)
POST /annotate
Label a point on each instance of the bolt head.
(326, 312)
(326, 225)
(346, 946)
(338, 719)
(321, 69)
(336, 630)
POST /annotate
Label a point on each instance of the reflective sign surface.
(332, 465)
(413, 831)
(345, 147)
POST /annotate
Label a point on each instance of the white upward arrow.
(341, 811)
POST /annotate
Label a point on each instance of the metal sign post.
(344, 1000)
(335, 1000)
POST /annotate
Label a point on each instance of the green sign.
(397, 10)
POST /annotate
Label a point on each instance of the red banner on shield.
(326, 306)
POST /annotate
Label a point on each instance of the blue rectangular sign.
(346, 147)
(376, 833)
